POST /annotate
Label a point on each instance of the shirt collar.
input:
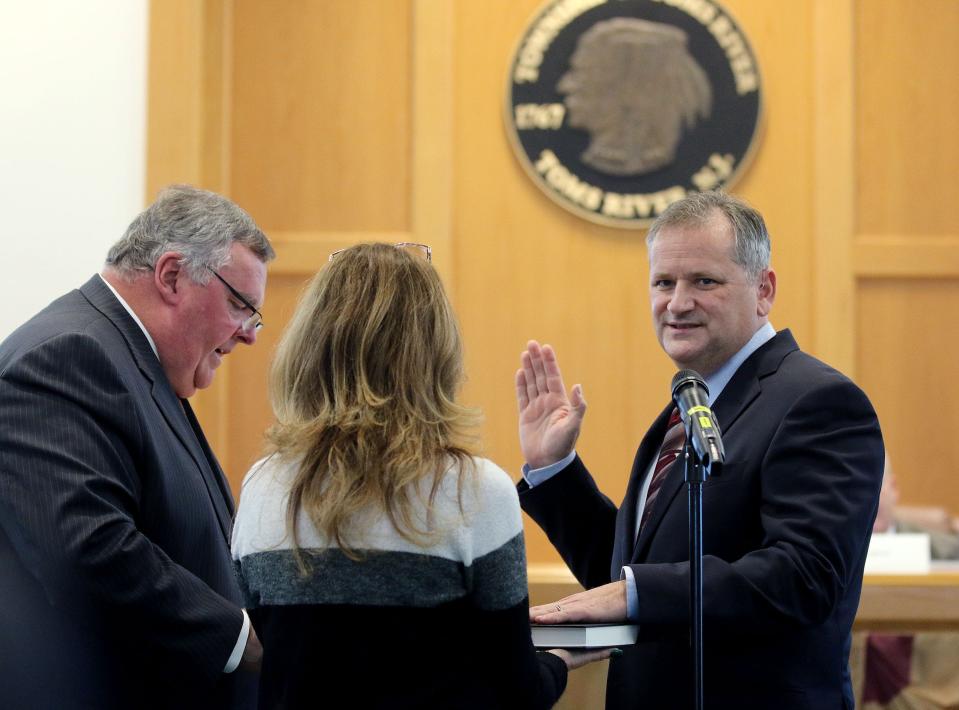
(717, 381)
(132, 314)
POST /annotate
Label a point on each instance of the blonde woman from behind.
(381, 560)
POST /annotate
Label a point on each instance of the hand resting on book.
(605, 604)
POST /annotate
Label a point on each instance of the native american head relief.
(633, 86)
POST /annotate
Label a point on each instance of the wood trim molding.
(219, 64)
(303, 253)
(550, 573)
(188, 94)
(907, 256)
(833, 279)
(889, 602)
(188, 133)
(432, 159)
(910, 603)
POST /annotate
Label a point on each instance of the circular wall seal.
(617, 108)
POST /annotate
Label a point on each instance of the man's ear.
(167, 277)
(766, 293)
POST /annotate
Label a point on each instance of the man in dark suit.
(786, 524)
(117, 586)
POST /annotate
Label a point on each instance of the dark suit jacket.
(786, 526)
(118, 588)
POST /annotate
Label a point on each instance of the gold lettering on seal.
(722, 28)
(538, 116)
(531, 53)
(740, 61)
(566, 184)
(718, 168)
(642, 206)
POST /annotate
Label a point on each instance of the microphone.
(692, 399)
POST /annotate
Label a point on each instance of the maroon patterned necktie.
(670, 450)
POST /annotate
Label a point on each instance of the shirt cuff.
(237, 654)
(536, 476)
(632, 595)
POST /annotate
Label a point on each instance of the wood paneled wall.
(338, 121)
(906, 245)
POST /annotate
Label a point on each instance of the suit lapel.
(220, 477)
(746, 383)
(179, 417)
(737, 395)
(629, 510)
(187, 430)
(671, 486)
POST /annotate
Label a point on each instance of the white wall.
(72, 142)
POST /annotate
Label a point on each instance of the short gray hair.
(199, 224)
(752, 249)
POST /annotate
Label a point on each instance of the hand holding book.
(578, 658)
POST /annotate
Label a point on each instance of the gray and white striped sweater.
(441, 625)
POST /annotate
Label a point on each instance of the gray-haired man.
(115, 517)
(786, 525)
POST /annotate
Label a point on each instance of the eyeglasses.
(421, 250)
(255, 321)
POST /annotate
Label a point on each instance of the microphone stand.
(695, 475)
(699, 462)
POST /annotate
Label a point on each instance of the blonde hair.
(363, 389)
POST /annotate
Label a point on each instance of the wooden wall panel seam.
(226, 98)
(188, 96)
(832, 278)
(304, 253)
(432, 169)
(218, 90)
(334, 237)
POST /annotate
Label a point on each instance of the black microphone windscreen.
(686, 377)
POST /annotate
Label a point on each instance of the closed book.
(583, 635)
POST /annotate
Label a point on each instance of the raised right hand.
(549, 420)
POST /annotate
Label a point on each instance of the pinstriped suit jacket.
(115, 520)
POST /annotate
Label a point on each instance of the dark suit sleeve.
(577, 518)
(818, 484)
(72, 474)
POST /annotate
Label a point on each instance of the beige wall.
(72, 158)
(338, 121)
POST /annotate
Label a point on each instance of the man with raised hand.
(786, 524)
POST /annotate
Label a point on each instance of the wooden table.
(890, 602)
(913, 602)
